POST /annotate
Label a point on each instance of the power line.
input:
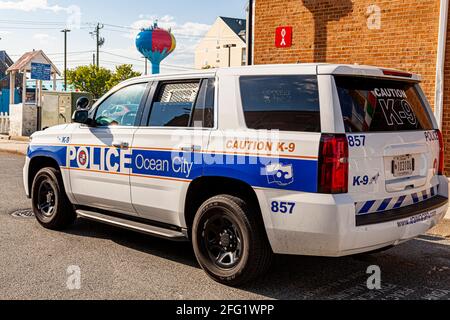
(140, 63)
(134, 59)
(121, 56)
(39, 25)
(30, 28)
(57, 54)
(70, 53)
(32, 22)
(178, 35)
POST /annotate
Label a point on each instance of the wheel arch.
(204, 188)
(39, 162)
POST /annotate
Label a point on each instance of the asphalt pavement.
(117, 264)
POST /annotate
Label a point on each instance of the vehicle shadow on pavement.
(419, 269)
(180, 252)
(410, 271)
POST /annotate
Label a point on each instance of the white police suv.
(323, 160)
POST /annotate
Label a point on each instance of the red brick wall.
(446, 116)
(336, 31)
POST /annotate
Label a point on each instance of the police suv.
(307, 159)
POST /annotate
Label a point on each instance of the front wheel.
(51, 206)
(230, 242)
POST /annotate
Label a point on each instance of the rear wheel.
(51, 206)
(229, 241)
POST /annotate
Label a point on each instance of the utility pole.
(229, 46)
(99, 41)
(65, 31)
(146, 66)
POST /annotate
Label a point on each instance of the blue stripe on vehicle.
(385, 204)
(58, 153)
(415, 197)
(367, 206)
(249, 169)
(399, 202)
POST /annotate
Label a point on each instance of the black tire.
(237, 254)
(51, 206)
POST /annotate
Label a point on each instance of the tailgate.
(392, 170)
(393, 145)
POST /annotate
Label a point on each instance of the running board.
(148, 229)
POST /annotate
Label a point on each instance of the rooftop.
(24, 62)
(292, 69)
(239, 26)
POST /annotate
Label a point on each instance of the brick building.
(402, 34)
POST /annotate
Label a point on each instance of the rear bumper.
(402, 213)
(325, 225)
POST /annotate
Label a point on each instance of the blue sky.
(35, 24)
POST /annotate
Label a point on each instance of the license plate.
(403, 166)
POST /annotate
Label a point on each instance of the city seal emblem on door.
(82, 158)
(282, 175)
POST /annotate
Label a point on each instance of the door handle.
(191, 149)
(121, 145)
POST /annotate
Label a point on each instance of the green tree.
(122, 73)
(98, 81)
(90, 79)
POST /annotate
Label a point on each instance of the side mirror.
(81, 116)
(83, 103)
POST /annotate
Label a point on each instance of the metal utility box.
(58, 107)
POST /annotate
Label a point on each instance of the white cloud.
(31, 5)
(43, 38)
(187, 35)
(188, 29)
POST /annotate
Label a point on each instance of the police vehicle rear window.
(377, 105)
(285, 103)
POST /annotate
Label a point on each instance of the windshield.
(380, 105)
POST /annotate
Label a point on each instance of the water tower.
(155, 44)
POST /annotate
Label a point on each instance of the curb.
(19, 139)
(13, 138)
(14, 148)
(15, 151)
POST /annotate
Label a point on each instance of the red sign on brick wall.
(283, 37)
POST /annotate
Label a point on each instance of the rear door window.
(378, 105)
(285, 103)
(174, 104)
(203, 114)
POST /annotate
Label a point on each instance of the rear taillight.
(441, 153)
(333, 164)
